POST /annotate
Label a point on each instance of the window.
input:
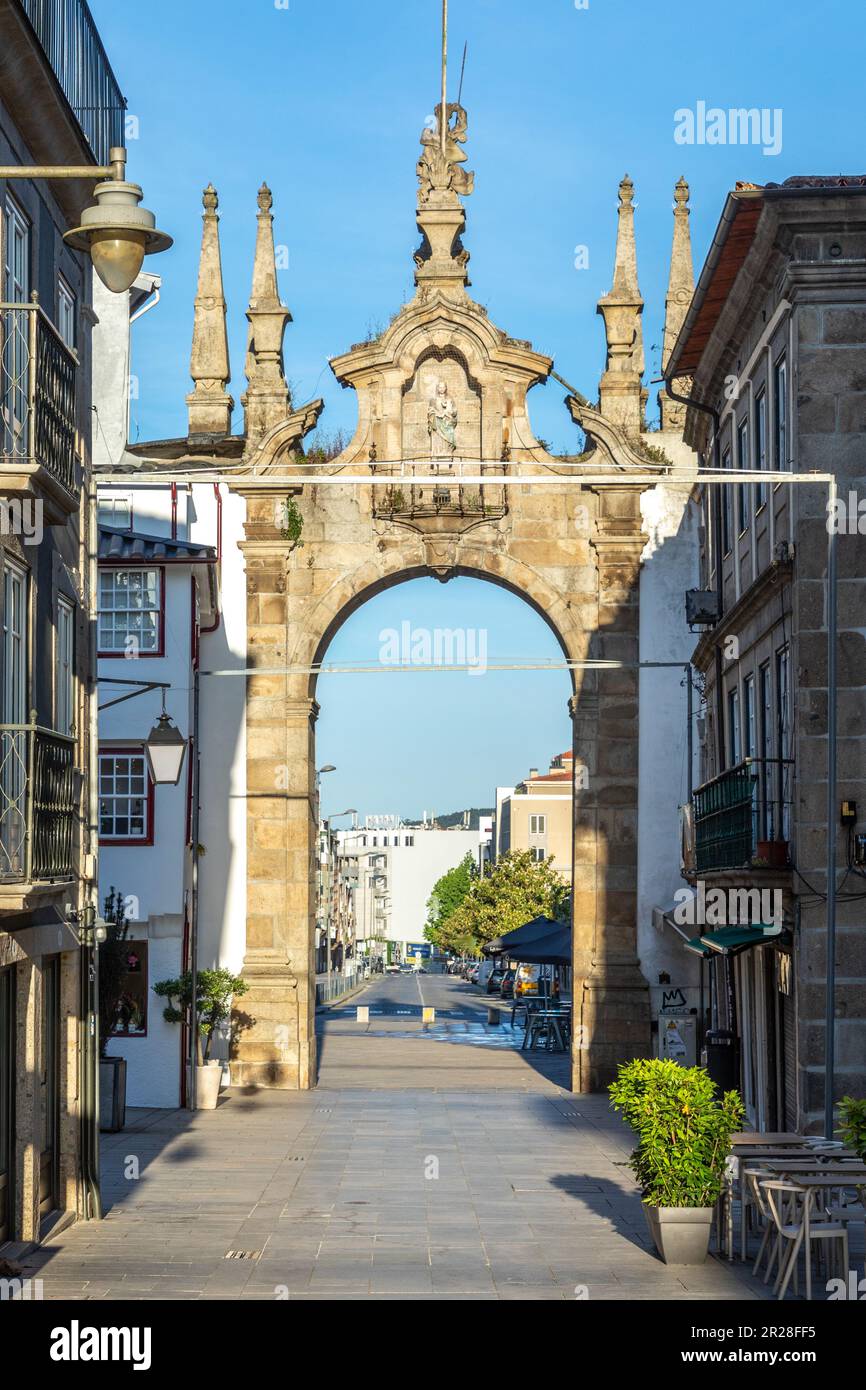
(115, 509)
(750, 747)
(734, 738)
(131, 1018)
(537, 853)
(743, 489)
(66, 313)
(14, 408)
(125, 797)
(783, 737)
(537, 825)
(64, 668)
(130, 611)
(14, 709)
(727, 509)
(761, 446)
(766, 693)
(780, 410)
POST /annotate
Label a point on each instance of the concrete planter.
(112, 1094)
(681, 1234)
(207, 1085)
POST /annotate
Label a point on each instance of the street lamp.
(165, 747)
(115, 232)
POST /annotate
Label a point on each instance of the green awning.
(729, 941)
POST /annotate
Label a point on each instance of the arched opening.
(443, 720)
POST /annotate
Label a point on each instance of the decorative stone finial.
(266, 401)
(622, 397)
(441, 259)
(681, 287)
(209, 404)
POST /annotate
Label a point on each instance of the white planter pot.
(681, 1234)
(207, 1085)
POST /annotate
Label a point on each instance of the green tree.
(214, 993)
(517, 890)
(448, 893)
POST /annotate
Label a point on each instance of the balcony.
(399, 497)
(70, 41)
(38, 808)
(742, 818)
(37, 412)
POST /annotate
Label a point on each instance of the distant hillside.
(456, 818)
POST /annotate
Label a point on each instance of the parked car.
(526, 980)
(506, 988)
(392, 968)
(472, 974)
(495, 978)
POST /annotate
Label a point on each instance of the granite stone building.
(773, 355)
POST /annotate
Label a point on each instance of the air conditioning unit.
(702, 607)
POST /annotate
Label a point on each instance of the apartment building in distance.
(774, 350)
(537, 815)
(398, 866)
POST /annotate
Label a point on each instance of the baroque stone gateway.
(441, 390)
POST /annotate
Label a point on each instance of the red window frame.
(142, 656)
(142, 841)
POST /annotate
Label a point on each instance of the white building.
(165, 620)
(398, 867)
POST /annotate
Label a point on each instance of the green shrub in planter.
(683, 1130)
(852, 1113)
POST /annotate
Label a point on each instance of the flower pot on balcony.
(773, 853)
(112, 1094)
(207, 1085)
(681, 1234)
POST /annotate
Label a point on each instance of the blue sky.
(326, 100)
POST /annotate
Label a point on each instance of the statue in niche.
(442, 423)
(438, 171)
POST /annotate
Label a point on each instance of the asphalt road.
(406, 994)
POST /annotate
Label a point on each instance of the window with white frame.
(538, 854)
(64, 668)
(115, 510)
(749, 731)
(130, 611)
(761, 446)
(734, 736)
(727, 508)
(743, 464)
(66, 313)
(537, 825)
(780, 412)
(125, 802)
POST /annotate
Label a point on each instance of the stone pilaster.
(612, 1015)
(274, 1024)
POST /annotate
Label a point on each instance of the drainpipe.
(193, 897)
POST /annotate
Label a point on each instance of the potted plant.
(214, 993)
(772, 854)
(852, 1113)
(684, 1139)
(112, 977)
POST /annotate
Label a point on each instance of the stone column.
(274, 1024)
(611, 997)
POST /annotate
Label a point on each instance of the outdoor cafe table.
(554, 1023)
(756, 1154)
(762, 1140)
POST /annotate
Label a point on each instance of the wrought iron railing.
(69, 39)
(37, 805)
(37, 393)
(395, 492)
(733, 812)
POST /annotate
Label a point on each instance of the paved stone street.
(419, 1169)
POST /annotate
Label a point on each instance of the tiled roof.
(129, 547)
